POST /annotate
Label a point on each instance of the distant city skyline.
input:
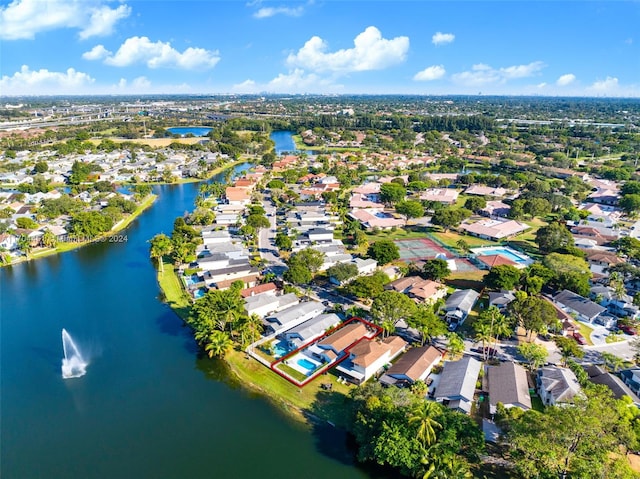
(551, 48)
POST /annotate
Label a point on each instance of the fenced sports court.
(421, 249)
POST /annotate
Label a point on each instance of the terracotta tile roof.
(415, 362)
(237, 194)
(261, 288)
(496, 260)
(345, 336)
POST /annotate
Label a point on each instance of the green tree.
(427, 323)
(41, 167)
(533, 313)
(26, 223)
(424, 415)
(534, 354)
(553, 237)
(436, 269)
(582, 441)
(49, 240)
(384, 251)
(298, 274)
(390, 307)
(502, 277)
(450, 217)
(410, 209)
(630, 204)
(343, 272)
(283, 241)
(309, 258)
(218, 344)
(455, 344)
(570, 272)
(392, 193)
(24, 245)
(258, 221)
(475, 203)
(368, 287)
(568, 348)
(160, 246)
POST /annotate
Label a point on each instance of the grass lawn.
(536, 403)
(174, 294)
(399, 234)
(450, 238)
(585, 331)
(311, 399)
(297, 375)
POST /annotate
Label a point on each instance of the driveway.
(266, 241)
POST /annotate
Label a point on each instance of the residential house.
(459, 305)
(557, 386)
(490, 260)
(332, 347)
(427, 291)
(8, 241)
(482, 190)
(621, 306)
(309, 330)
(376, 219)
(238, 196)
(414, 365)
(369, 357)
(447, 196)
(403, 285)
(585, 309)
(631, 377)
(496, 209)
(494, 229)
(508, 385)
(457, 385)
(264, 304)
(266, 288)
(294, 315)
(599, 375)
(600, 234)
(320, 235)
(365, 266)
(501, 299)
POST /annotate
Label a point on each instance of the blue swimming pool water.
(199, 293)
(191, 280)
(506, 252)
(308, 365)
(280, 349)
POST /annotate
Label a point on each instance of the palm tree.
(424, 415)
(455, 344)
(250, 329)
(49, 239)
(453, 467)
(24, 245)
(483, 335)
(218, 344)
(462, 245)
(160, 246)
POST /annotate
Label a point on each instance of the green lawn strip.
(399, 234)
(310, 399)
(174, 293)
(536, 403)
(585, 331)
(451, 238)
(297, 375)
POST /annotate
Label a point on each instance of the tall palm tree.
(24, 245)
(49, 239)
(424, 415)
(218, 344)
(160, 246)
(483, 335)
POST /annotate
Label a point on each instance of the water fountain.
(73, 365)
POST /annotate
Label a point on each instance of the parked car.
(579, 338)
(628, 330)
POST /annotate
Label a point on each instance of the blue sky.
(543, 47)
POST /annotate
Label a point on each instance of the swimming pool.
(280, 349)
(191, 280)
(199, 293)
(306, 364)
(505, 251)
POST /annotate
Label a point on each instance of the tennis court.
(423, 248)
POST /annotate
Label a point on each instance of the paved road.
(266, 239)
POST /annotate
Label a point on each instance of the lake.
(194, 130)
(149, 406)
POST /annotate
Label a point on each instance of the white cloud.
(24, 19)
(566, 79)
(440, 38)
(482, 74)
(370, 52)
(295, 81)
(96, 53)
(102, 21)
(154, 55)
(606, 86)
(44, 82)
(430, 73)
(266, 12)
